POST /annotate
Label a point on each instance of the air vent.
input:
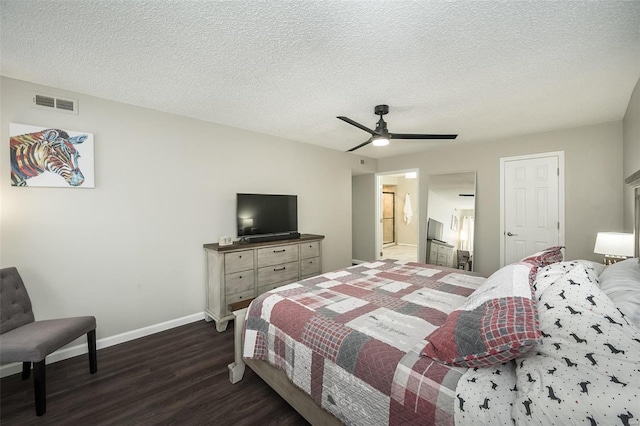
(55, 104)
(45, 101)
(65, 104)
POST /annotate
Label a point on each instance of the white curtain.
(467, 231)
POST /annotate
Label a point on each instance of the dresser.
(439, 253)
(243, 271)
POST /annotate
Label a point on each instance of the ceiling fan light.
(380, 141)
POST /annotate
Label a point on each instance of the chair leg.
(26, 370)
(93, 355)
(40, 387)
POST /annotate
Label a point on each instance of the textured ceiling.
(484, 70)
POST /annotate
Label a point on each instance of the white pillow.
(621, 282)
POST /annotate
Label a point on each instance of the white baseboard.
(357, 262)
(64, 353)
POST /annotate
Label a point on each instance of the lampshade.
(380, 141)
(614, 244)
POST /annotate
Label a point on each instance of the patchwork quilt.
(352, 340)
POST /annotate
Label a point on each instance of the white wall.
(364, 217)
(130, 250)
(594, 194)
(407, 233)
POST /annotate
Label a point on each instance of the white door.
(532, 205)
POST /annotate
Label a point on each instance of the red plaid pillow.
(497, 323)
(545, 257)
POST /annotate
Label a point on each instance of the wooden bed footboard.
(300, 401)
(236, 368)
(274, 377)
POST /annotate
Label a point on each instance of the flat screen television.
(266, 214)
(434, 230)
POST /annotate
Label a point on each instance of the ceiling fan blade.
(361, 145)
(358, 125)
(417, 136)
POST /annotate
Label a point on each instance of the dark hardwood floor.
(178, 376)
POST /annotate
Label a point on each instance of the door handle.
(509, 234)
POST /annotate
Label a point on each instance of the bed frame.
(274, 377)
(299, 400)
(302, 402)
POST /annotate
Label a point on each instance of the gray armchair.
(22, 339)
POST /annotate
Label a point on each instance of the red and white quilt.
(352, 340)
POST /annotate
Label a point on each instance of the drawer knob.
(240, 276)
(240, 257)
(280, 269)
(280, 251)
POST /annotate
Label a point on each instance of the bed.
(541, 341)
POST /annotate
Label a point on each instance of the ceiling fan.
(381, 136)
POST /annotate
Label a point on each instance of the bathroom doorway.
(397, 215)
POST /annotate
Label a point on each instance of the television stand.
(242, 271)
(439, 253)
(272, 237)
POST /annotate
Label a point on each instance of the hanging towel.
(408, 212)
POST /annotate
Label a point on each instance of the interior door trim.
(561, 195)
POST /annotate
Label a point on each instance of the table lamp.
(614, 246)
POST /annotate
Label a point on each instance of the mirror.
(451, 220)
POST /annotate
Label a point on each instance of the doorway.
(397, 220)
(531, 204)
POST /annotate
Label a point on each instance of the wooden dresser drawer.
(308, 250)
(433, 253)
(310, 267)
(277, 254)
(277, 273)
(238, 261)
(240, 281)
(266, 288)
(233, 298)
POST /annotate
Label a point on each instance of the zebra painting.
(35, 153)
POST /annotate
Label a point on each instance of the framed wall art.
(50, 157)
